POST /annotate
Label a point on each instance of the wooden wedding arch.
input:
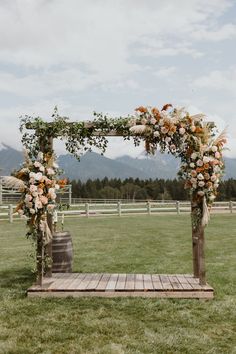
(142, 129)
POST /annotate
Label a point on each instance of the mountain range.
(93, 165)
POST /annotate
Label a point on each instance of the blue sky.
(112, 56)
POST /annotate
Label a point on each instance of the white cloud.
(224, 80)
(225, 32)
(165, 72)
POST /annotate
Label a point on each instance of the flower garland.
(39, 177)
(189, 137)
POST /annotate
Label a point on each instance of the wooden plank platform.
(121, 285)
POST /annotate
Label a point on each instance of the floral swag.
(191, 138)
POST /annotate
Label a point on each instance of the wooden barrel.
(62, 252)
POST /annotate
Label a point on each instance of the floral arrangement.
(37, 180)
(189, 137)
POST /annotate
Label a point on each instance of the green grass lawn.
(139, 244)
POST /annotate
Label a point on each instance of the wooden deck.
(120, 285)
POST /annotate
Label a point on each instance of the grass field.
(138, 244)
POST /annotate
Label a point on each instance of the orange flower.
(173, 128)
(166, 106)
(141, 109)
(199, 169)
(156, 112)
(198, 130)
(62, 182)
(206, 166)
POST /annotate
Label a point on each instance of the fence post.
(119, 208)
(87, 209)
(178, 207)
(231, 206)
(0, 191)
(149, 207)
(10, 213)
(70, 195)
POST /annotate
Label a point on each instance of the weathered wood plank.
(111, 285)
(156, 281)
(73, 285)
(138, 285)
(57, 282)
(103, 282)
(94, 282)
(120, 285)
(84, 282)
(175, 283)
(165, 282)
(111, 294)
(130, 280)
(147, 282)
(67, 281)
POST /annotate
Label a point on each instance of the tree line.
(137, 189)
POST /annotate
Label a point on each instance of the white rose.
(200, 176)
(206, 159)
(194, 156)
(182, 131)
(167, 139)
(37, 164)
(214, 148)
(153, 120)
(164, 130)
(192, 165)
(213, 178)
(156, 134)
(38, 176)
(50, 171)
(199, 163)
(201, 183)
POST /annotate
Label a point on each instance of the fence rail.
(7, 212)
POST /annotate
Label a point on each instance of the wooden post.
(231, 206)
(178, 207)
(201, 256)
(198, 242)
(46, 146)
(119, 208)
(149, 207)
(10, 212)
(70, 194)
(87, 209)
(0, 190)
(195, 234)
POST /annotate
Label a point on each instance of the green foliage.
(78, 136)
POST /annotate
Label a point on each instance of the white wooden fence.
(7, 212)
